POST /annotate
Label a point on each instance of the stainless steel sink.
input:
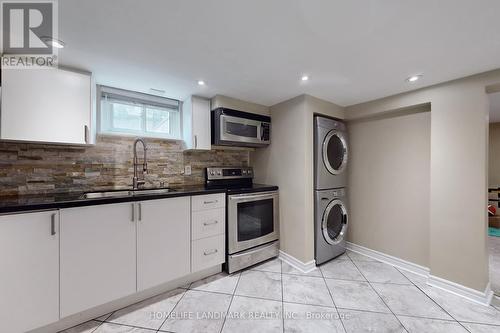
(126, 193)
(109, 194)
(152, 191)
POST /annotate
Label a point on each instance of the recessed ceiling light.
(58, 44)
(201, 82)
(414, 78)
(304, 78)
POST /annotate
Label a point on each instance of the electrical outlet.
(187, 170)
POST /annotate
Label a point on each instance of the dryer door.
(335, 152)
(334, 223)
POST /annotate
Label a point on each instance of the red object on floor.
(492, 210)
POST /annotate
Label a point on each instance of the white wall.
(389, 185)
(458, 173)
(288, 163)
(237, 104)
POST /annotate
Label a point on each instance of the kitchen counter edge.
(76, 200)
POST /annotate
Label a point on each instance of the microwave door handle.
(224, 126)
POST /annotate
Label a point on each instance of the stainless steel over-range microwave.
(238, 128)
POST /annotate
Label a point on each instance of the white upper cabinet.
(29, 270)
(196, 123)
(46, 105)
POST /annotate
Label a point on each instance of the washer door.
(335, 152)
(334, 223)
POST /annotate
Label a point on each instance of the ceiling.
(352, 50)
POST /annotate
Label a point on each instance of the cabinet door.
(98, 255)
(163, 241)
(196, 123)
(29, 278)
(50, 105)
(201, 123)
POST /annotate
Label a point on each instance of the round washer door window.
(334, 224)
(335, 152)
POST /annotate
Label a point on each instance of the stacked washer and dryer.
(330, 190)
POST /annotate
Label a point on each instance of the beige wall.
(494, 155)
(458, 173)
(287, 162)
(389, 185)
(237, 104)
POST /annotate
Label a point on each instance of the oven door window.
(255, 219)
(248, 131)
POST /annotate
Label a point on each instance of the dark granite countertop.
(12, 204)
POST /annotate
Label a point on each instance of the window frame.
(145, 101)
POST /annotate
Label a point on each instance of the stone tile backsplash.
(27, 168)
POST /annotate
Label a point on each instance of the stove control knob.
(244, 172)
(219, 173)
(212, 173)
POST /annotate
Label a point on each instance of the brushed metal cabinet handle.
(210, 252)
(53, 224)
(140, 211)
(133, 212)
(210, 202)
(195, 141)
(86, 129)
(210, 223)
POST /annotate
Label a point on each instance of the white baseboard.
(388, 259)
(304, 267)
(481, 297)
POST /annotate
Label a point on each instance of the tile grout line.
(404, 327)
(282, 298)
(95, 329)
(331, 296)
(476, 323)
(449, 314)
(101, 322)
(127, 325)
(177, 303)
(231, 302)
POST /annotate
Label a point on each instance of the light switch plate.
(187, 170)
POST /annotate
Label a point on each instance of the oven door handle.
(250, 197)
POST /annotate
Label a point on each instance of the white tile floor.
(494, 247)
(350, 294)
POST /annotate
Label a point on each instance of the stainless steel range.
(252, 216)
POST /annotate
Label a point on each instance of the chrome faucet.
(137, 182)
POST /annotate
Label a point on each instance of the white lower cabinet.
(98, 255)
(55, 264)
(163, 241)
(208, 222)
(208, 252)
(29, 270)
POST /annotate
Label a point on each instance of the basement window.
(123, 112)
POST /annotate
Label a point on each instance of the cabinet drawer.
(206, 223)
(209, 201)
(207, 252)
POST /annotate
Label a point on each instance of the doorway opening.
(494, 192)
